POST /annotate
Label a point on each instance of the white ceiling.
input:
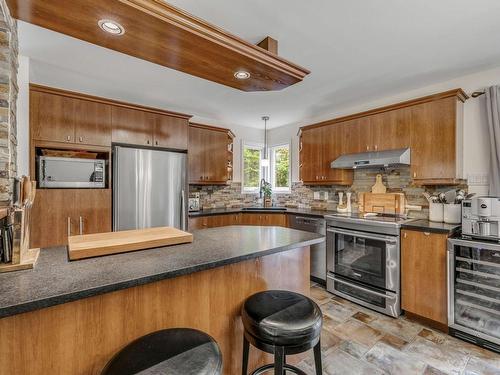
(357, 50)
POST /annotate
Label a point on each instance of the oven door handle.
(383, 295)
(387, 239)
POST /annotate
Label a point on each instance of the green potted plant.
(267, 192)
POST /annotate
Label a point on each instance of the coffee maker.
(481, 218)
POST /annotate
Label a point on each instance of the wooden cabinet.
(435, 157)
(58, 213)
(319, 147)
(431, 127)
(264, 219)
(208, 153)
(132, 126)
(58, 118)
(170, 132)
(423, 275)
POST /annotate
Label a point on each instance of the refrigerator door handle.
(183, 210)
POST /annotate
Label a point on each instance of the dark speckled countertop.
(431, 226)
(55, 280)
(297, 211)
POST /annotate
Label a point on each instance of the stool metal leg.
(317, 359)
(279, 360)
(246, 348)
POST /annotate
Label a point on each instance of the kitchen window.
(280, 168)
(251, 167)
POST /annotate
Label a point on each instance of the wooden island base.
(80, 337)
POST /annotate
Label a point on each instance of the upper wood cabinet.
(431, 127)
(131, 126)
(436, 126)
(423, 275)
(59, 118)
(209, 155)
(170, 132)
(318, 148)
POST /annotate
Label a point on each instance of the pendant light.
(265, 161)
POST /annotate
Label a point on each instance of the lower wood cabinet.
(423, 275)
(58, 213)
(237, 219)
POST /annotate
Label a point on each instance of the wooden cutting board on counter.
(99, 244)
(384, 203)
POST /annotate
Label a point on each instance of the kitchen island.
(71, 317)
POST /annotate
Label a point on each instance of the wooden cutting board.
(386, 203)
(99, 244)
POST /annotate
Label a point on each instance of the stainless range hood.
(389, 158)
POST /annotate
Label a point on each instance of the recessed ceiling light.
(241, 74)
(111, 27)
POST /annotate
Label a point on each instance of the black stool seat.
(282, 318)
(170, 351)
(281, 323)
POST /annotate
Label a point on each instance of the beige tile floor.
(359, 341)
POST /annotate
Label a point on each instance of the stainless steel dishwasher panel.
(318, 252)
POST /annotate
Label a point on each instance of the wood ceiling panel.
(162, 34)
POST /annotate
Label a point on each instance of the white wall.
(476, 139)
(23, 80)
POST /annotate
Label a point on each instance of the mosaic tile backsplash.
(326, 197)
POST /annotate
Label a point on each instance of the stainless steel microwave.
(58, 172)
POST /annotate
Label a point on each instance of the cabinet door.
(52, 117)
(51, 218)
(274, 220)
(332, 138)
(196, 155)
(251, 219)
(423, 274)
(92, 123)
(170, 132)
(433, 140)
(215, 156)
(92, 207)
(311, 155)
(198, 223)
(356, 135)
(390, 130)
(131, 126)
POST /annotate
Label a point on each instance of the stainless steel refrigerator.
(149, 188)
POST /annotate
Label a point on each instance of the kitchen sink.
(282, 209)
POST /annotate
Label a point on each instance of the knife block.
(22, 257)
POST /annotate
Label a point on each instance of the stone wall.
(326, 197)
(8, 98)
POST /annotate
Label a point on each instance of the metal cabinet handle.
(68, 138)
(81, 225)
(69, 226)
(80, 139)
(147, 141)
(156, 143)
(405, 235)
(427, 233)
(376, 147)
(414, 174)
(367, 148)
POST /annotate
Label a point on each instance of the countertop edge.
(423, 228)
(74, 296)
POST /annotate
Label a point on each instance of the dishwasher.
(318, 252)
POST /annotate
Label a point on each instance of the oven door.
(366, 258)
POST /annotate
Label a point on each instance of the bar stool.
(169, 351)
(281, 323)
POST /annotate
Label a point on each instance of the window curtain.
(493, 115)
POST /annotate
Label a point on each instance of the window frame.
(262, 172)
(271, 153)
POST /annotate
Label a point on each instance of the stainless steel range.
(363, 260)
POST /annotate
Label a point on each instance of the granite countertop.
(298, 211)
(431, 226)
(55, 280)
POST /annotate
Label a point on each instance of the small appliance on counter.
(481, 218)
(194, 202)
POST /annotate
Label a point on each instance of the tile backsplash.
(326, 197)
